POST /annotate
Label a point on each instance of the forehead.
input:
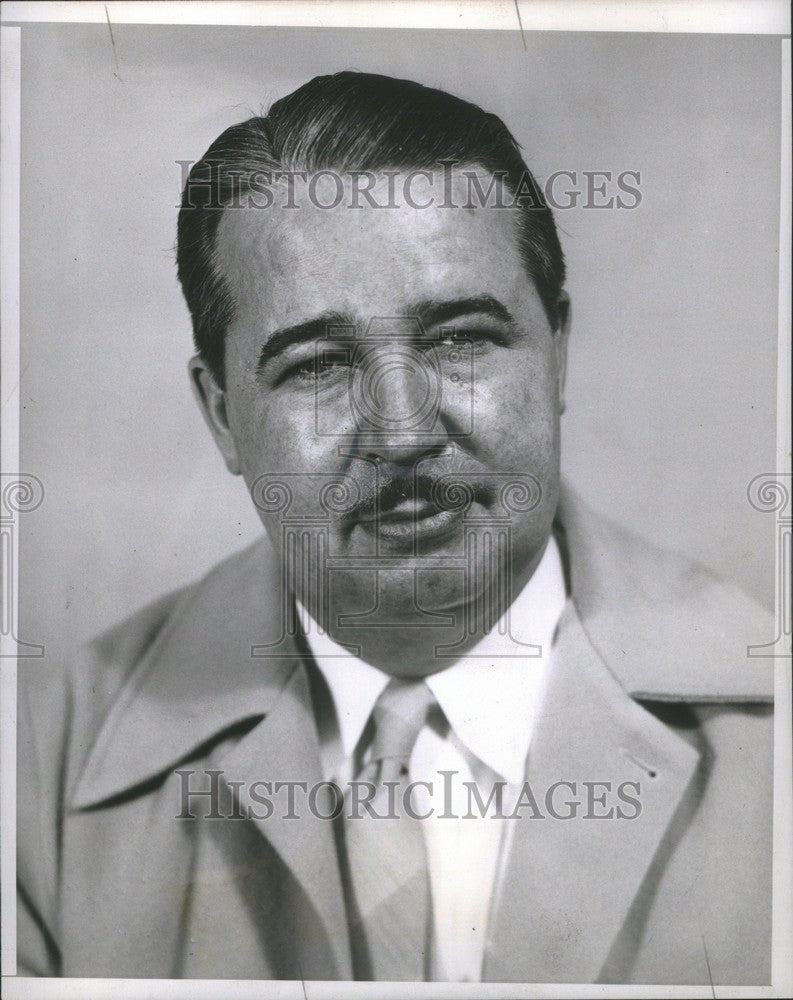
(284, 264)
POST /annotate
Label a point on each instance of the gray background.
(672, 380)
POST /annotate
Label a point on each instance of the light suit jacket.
(650, 683)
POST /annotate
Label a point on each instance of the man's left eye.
(462, 338)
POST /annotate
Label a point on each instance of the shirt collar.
(490, 696)
(354, 684)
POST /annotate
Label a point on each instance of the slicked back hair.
(348, 122)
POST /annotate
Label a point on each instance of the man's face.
(391, 353)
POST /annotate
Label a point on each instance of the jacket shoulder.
(669, 628)
(64, 703)
(99, 668)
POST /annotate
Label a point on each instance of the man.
(552, 757)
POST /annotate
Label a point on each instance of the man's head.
(376, 293)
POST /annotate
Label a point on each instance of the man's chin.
(415, 595)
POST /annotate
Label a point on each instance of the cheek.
(516, 416)
(275, 438)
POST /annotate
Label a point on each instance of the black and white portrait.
(396, 517)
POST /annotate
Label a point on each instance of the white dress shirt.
(490, 699)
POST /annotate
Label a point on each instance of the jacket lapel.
(224, 664)
(197, 679)
(284, 748)
(569, 883)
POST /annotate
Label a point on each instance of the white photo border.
(770, 17)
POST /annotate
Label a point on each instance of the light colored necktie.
(387, 878)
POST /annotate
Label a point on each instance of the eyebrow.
(317, 328)
(429, 312)
(433, 312)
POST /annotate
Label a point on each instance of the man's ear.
(563, 312)
(211, 400)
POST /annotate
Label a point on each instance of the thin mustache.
(389, 487)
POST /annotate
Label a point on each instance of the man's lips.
(399, 504)
(405, 510)
(410, 520)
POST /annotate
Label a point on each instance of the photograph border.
(21, 493)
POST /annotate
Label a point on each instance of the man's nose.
(397, 401)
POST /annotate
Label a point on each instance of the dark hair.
(355, 122)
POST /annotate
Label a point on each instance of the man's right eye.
(318, 368)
